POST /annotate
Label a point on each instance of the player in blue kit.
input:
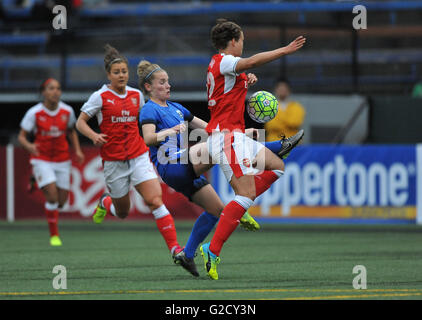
(163, 122)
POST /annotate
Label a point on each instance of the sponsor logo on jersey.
(53, 132)
(126, 117)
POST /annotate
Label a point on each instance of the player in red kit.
(249, 166)
(52, 121)
(125, 155)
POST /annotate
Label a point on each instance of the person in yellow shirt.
(290, 115)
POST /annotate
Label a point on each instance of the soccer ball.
(262, 106)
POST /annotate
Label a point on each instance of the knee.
(154, 202)
(122, 214)
(251, 194)
(282, 166)
(121, 210)
(51, 197)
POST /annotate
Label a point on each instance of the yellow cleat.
(249, 223)
(55, 241)
(210, 260)
(100, 212)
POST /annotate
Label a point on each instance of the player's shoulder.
(65, 106)
(175, 104)
(149, 106)
(35, 109)
(98, 94)
(128, 88)
(131, 89)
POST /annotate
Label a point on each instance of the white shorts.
(234, 152)
(120, 175)
(47, 172)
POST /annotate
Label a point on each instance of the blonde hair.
(145, 71)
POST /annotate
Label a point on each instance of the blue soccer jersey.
(173, 147)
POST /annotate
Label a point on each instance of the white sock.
(51, 206)
(160, 212)
(113, 210)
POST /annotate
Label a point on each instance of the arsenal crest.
(134, 101)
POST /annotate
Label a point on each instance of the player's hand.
(99, 139)
(80, 156)
(32, 149)
(296, 44)
(252, 79)
(179, 128)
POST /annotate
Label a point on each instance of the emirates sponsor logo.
(125, 117)
(53, 132)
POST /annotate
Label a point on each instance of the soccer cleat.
(175, 251)
(55, 241)
(100, 212)
(188, 264)
(32, 184)
(210, 261)
(289, 143)
(247, 222)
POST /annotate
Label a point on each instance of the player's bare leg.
(151, 192)
(52, 212)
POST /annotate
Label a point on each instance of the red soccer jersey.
(226, 94)
(117, 117)
(50, 128)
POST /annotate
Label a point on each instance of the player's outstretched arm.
(197, 123)
(268, 56)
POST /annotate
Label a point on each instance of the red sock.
(52, 219)
(264, 180)
(229, 220)
(107, 202)
(168, 231)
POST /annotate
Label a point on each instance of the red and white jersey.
(50, 129)
(117, 117)
(226, 94)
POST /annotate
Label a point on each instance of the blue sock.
(274, 146)
(202, 227)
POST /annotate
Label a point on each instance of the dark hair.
(112, 56)
(282, 80)
(45, 83)
(223, 32)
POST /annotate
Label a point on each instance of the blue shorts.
(182, 178)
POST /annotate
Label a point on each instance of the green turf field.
(129, 260)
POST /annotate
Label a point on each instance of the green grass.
(129, 260)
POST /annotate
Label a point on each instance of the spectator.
(290, 115)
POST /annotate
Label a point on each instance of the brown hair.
(112, 56)
(45, 83)
(145, 73)
(223, 32)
